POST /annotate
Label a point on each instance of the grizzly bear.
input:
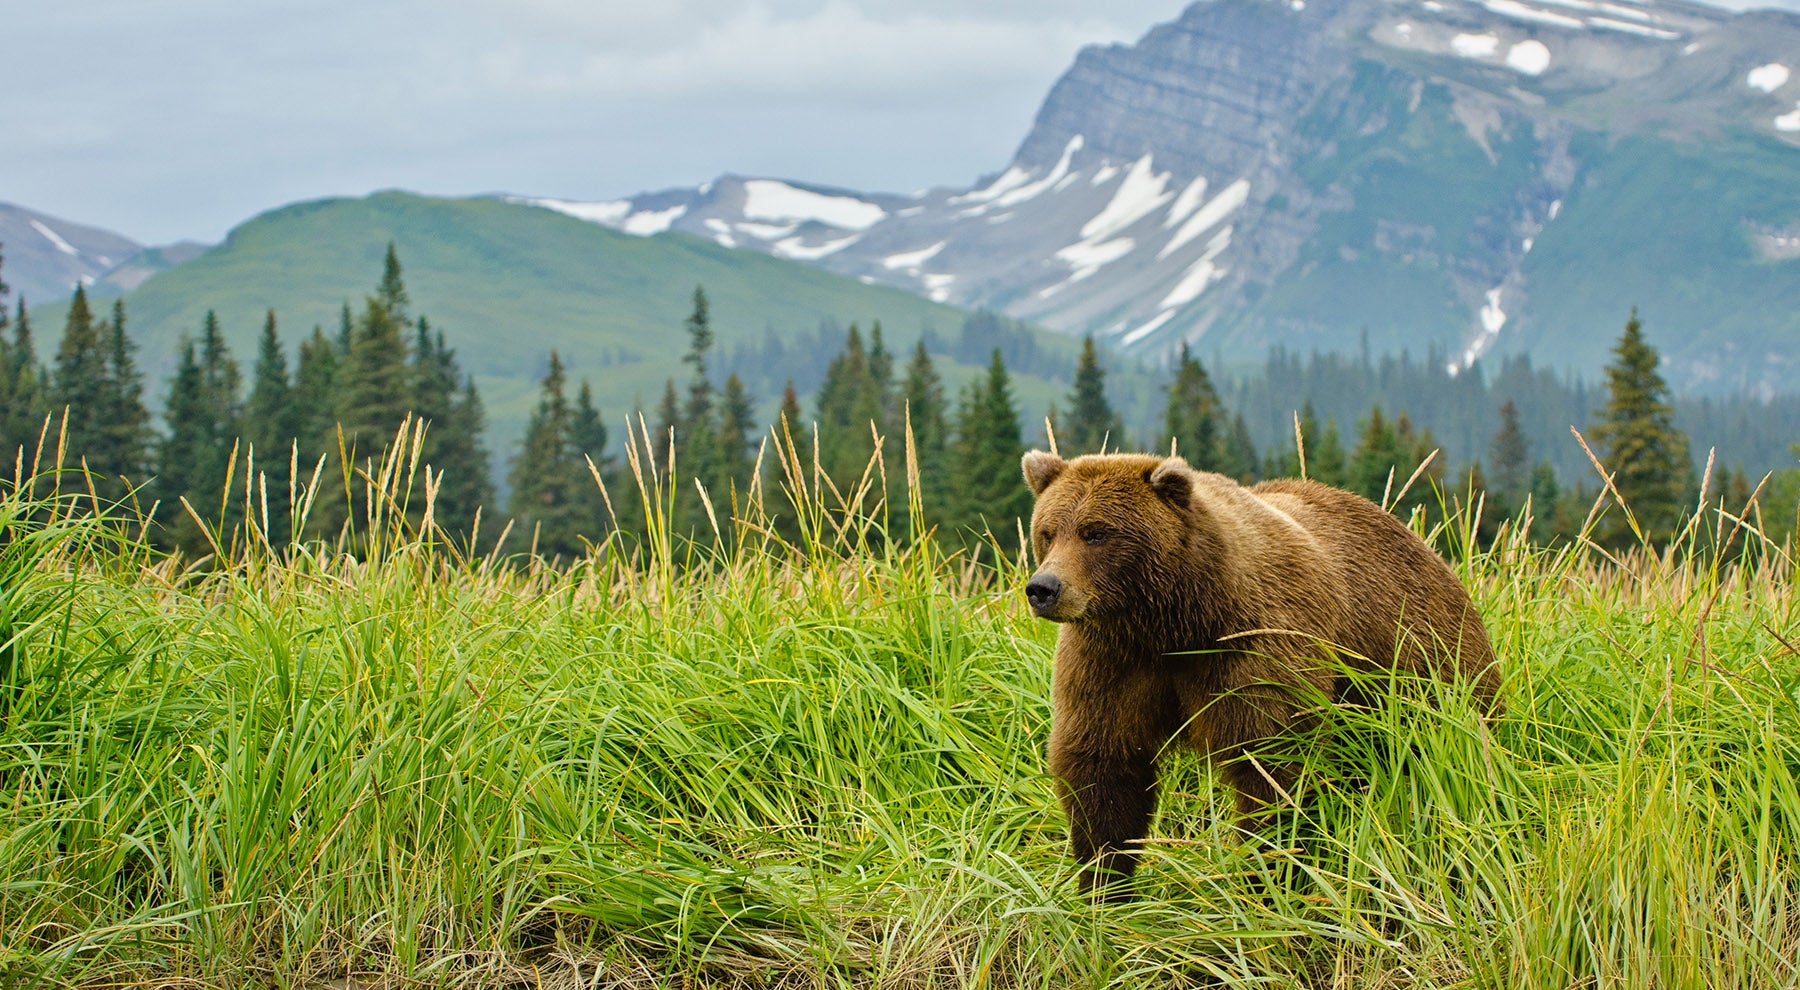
(1193, 609)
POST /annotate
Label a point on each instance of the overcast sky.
(177, 119)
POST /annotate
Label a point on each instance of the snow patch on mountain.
(1200, 274)
(1624, 27)
(609, 212)
(797, 249)
(1767, 78)
(1209, 216)
(646, 222)
(1475, 45)
(769, 199)
(1531, 57)
(1146, 329)
(1789, 122)
(1143, 190)
(1535, 15)
(55, 241)
(909, 260)
(1189, 201)
(1031, 190)
(1087, 257)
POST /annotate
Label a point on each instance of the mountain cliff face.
(1447, 176)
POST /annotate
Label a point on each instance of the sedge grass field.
(382, 762)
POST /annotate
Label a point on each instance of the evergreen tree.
(989, 496)
(925, 407)
(881, 376)
(849, 401)
(1238, 454)
(588, 439)
(1646, 453)
(589, 430)
(1327, 461)
(1509, 461)
(315, 399)
(205, 420)
(78, 381)
(373, 388)
(23, 404)
(463, 463)
(1375, 467)
(391, 293)
(778, 487)
(1194, 418)
(122, 454)
(447, 402)
(546, 479)
(697, 432)
(738, 434)
(1092, 422)
(271, 426)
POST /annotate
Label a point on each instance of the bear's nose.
(1043, 591)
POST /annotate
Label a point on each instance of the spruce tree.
(848, 402)
(373, 388)
(1640, 444)
(988, 495)
(23, 404)
(792, 440)
(391, 292)
(925, 407)
(315, 399)
(271, 427)
(205, 419)
(1238, 454)
(122, 455)
(445, 400)
(1092, 421)
(546, 485)
(1375, 466)
(697, 430)
(1509, 459)
(588, 438)
(1193, 417)
(466, 470)
(1327, 461)
(735, 458)
(78, 381)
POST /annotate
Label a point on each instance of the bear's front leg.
(1109, 799)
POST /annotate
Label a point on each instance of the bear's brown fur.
(1194, 607)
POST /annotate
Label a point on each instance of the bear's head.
(1109, 530)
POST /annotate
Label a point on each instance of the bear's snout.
(1043, 591)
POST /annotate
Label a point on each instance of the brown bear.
(1194, 607)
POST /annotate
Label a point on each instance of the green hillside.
(506, 283)
(1672, 228)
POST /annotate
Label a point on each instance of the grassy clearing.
(820, 767)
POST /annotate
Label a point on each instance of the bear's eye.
(1095, 534)
(1046, 536)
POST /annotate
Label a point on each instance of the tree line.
(876, 425)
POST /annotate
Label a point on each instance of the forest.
(856, 417)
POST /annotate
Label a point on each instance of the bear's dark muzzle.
(1043, 591)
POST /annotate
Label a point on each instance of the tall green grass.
(397, 761)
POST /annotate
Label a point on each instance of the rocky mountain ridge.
(1451, 176)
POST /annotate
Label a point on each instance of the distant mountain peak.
(1427, 174)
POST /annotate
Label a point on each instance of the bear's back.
(1397, 583)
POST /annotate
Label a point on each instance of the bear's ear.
(1173, 480)
(1041, 469)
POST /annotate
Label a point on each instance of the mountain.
(1453, 177)
(507, 283)
(46, 257)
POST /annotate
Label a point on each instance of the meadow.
(745, 762)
